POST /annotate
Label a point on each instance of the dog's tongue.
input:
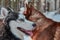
(29, 33)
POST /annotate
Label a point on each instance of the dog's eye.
(21, 20)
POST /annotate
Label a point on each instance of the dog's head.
(16, 22)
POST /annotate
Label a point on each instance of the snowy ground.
(53, 16)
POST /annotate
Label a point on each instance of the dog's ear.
(9, 9)
(4, 11)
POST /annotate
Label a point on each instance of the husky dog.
(17, 26)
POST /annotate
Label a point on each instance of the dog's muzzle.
(28, 32)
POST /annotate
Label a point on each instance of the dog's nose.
(33, 25)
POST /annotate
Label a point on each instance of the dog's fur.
(43, 25)
(46, 28)
(15, 21)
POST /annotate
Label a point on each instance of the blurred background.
(41, 5)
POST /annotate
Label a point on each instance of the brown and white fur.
(46, 27)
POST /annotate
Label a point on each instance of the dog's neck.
(18, 33)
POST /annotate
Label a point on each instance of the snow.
(52, 15)
(22, 9)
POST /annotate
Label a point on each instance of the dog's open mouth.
(28, 32)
